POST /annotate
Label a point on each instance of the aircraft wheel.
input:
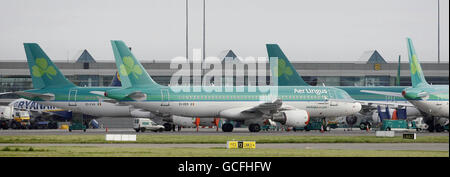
(227, 127)
(254, 128)
(167, 127)
(362, 126)
(439, 128)
(14, 125)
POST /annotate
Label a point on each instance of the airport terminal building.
(370, 70)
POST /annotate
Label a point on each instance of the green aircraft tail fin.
(417, 77)
(131, 71)
(43, 71)
(287, 75)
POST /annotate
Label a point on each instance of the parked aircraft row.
(140, 96)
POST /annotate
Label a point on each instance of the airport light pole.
(439, 33)
(187, 30)
(204, 41)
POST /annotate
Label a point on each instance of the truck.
(13, 118)
(143, 124)
(77, 122)
(420, 124)
(318, 125)
(398, 125)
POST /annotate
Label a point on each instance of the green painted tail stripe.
(287, 75)
(417, 77)
(132, 73)
(44, 73)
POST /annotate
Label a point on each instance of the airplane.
(293, 106)
(432, 100)
(52, 88)
(39, 110)
(370, 97)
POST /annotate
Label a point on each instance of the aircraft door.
(332, 97)
(164, 97)
(73, 97)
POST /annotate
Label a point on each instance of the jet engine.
(141, 113)
(293, 118)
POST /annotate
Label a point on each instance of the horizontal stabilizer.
(45, 96)
(138, 96)
(396, 94)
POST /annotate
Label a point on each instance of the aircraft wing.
(266, 107)
(45, 96)
(396, 94)
(374, 104)
(5, 93)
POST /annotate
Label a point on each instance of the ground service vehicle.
(315, 125)
(12, 118)
(397, 125)
(143, 124)
(77, 122)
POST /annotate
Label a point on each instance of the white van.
(143, 124)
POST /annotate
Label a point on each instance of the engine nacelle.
(293, 118)
(141, 114)
(183, 121)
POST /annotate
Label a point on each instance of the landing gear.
(365, 126)
(439, 128)
(433, 125)
(167, 126)
(227, 127)
(254, 128)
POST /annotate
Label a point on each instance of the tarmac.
(210, 131)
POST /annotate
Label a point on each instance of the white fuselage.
(434, 108)
(100, 109)
(203, 109)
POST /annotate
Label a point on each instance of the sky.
(306, 30)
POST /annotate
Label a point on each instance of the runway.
(300, 146)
